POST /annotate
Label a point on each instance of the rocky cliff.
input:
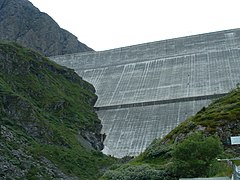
(48, 126)
(23, 23)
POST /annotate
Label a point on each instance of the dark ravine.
(23, 23)
(48, 125)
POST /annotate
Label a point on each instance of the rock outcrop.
(23, 23)
(48, 125)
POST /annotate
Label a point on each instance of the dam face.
(146, 90)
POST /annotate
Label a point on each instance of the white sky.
(108, 24)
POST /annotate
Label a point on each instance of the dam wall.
(146, 90)
(131, 130)
(150, 51)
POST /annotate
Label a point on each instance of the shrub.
(195, 155)
(140, 172)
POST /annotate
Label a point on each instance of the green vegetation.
(50, 130)
(136, 172)
(47, 117)
(196, 156)
(191, 149)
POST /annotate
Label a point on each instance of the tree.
(195, 155)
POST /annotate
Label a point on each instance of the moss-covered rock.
(48, 125)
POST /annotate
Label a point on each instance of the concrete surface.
(146, 90)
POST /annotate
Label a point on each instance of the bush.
(195, 155)
(157, 150)
(140, 172)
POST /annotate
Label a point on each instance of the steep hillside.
(191, 149)
(48, 126)
(23, 23)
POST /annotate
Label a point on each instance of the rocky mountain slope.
(23, 23)
(48, 126)
(191, 149)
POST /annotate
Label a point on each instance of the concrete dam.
(146, 90)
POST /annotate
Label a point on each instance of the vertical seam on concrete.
(229, 68)
(209, 75)
(115, 90)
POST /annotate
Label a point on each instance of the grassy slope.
(44, 107)
(221, 118)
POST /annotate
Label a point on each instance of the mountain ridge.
(22, 22)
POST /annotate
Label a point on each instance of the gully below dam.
(146, 90)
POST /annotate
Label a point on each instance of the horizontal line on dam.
(159, 102)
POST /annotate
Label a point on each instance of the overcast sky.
(108, 24)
